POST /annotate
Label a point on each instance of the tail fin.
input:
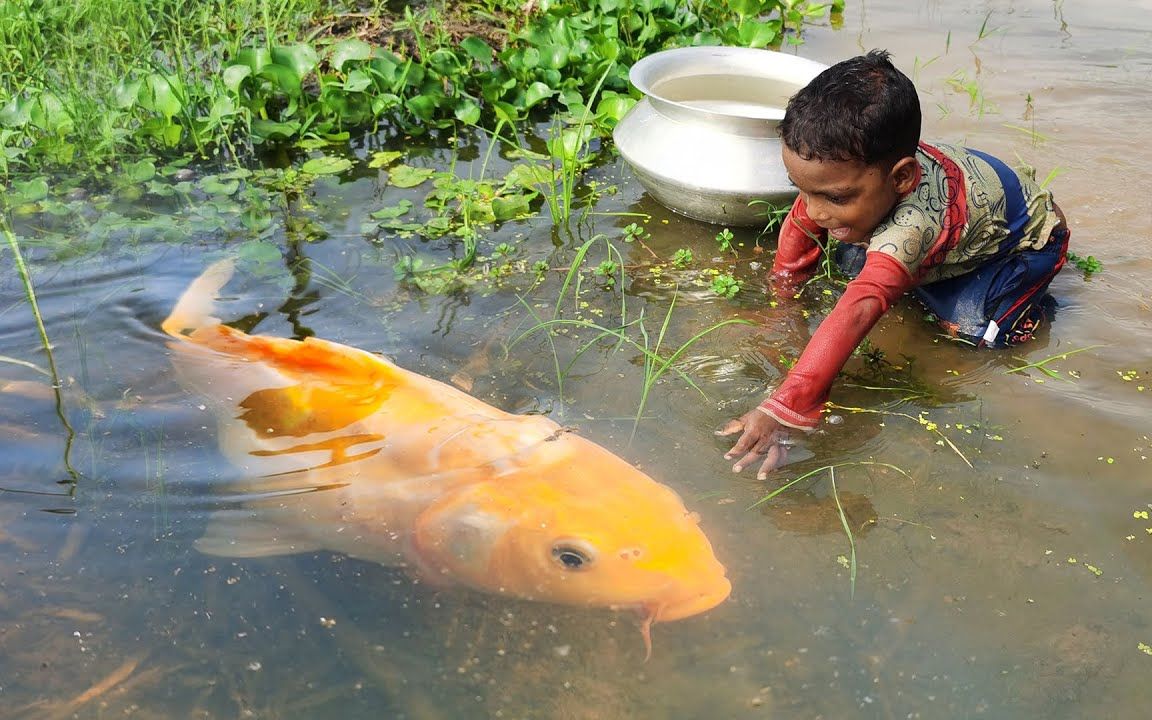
(196, 306)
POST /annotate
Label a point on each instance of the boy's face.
(849, 198)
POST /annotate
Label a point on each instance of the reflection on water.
(1003, 558)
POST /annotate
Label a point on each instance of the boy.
(975, 242)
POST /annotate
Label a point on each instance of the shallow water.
(1014, 588)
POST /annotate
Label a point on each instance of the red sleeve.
(800, 399)
(797, 251)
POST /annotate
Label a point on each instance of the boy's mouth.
(840, 233)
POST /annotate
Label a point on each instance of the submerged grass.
(632, 333)
(836, 498)
(46, 344)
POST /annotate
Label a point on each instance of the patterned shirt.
(960, 216)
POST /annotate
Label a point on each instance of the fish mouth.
(694, 603)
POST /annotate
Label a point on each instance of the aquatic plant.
(46, 345)
(233, 76)
(624, 330)
(851, 561)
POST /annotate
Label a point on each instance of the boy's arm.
(797, 251)
(799, 400)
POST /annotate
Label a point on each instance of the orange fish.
(344, 451)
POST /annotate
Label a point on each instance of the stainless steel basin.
(703, 140)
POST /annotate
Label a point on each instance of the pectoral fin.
(245, 533)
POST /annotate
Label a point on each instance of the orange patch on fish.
(344, 451)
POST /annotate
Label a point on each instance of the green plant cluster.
(136, 78)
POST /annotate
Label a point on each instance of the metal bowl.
(703, 140)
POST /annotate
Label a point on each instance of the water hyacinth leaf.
(326, 165)
(126, 92)
(406, 176)
(162, 94)
(399, 209)
(613, 106)
(255, 58)
(350, 49)
(256, 218)
(479, 50)
(357, 81)
(511, 207)
(301, 58)
(467, 111)
(48, 114)
(259, 252)
(140, 172)
(272, 130)
(505, 112)
(422, 106)
(218, 185)
(234, 76)
(312, 143)
(529, 176)
(758, 34)
(31, 190)
(537, 92)
(445, 62)
(287, 79)
(384, 158)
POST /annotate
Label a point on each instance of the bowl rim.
(675, 63)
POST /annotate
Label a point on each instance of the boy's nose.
(816, 209)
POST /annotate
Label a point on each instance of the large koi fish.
(344, 451)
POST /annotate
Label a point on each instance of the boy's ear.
(905, 175)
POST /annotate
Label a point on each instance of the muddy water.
(1001, 566)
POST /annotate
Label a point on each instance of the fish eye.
(573, 555)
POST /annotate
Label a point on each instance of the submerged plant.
(625, 331)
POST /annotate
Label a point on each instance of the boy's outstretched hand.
(761, 435)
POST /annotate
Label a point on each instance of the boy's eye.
(837, 199)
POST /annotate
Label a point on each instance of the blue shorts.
(1000, 303)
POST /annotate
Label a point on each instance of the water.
(729, 94)
(977, 593)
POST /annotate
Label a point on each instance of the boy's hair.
(861, 109)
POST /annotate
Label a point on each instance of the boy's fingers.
(762, 446)
(775, 458)
(733, 426)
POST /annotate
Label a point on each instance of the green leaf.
(509, 208)
(350, 49)
(614, 106)
(357, 81)
(529, 176)
(234, 75)
(216, 185)
(31, 191)
(301, 58)
(271, 130)
(480, 51)
(384, 158)
(536, 93)
(139, 172)
(259, 252)
(395, 211)
(758, 34)
(554, 57)
(467, 111)
(160, 94)
(406, 176)
(326, 165)
(254, 58)
(287, 79)
(126, 92)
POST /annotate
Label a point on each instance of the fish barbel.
(341, 450)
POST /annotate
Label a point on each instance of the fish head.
(584, 528)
